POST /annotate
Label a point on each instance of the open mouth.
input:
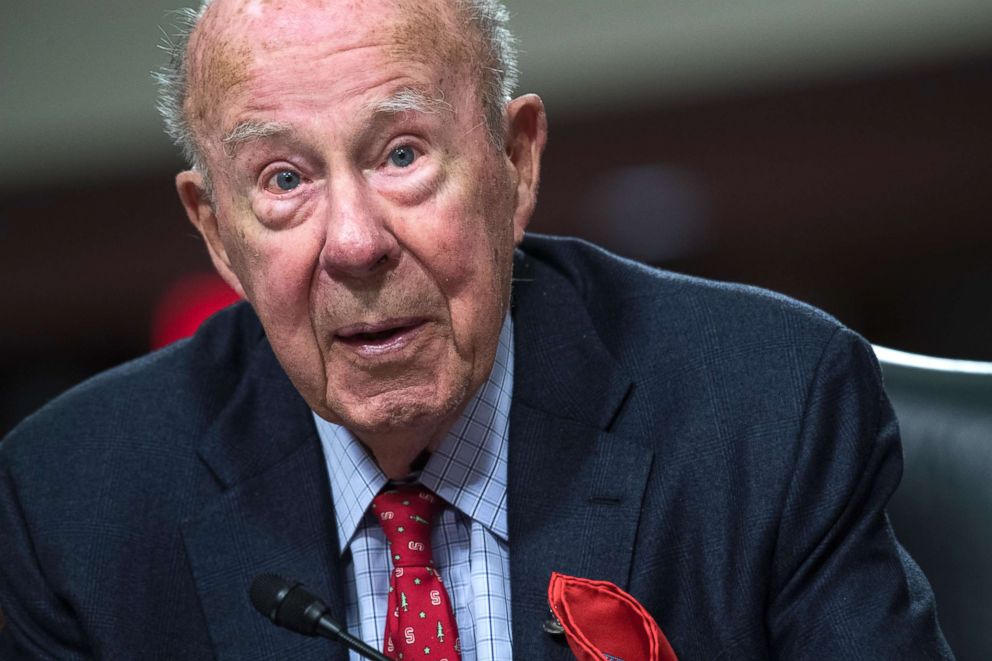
(383, 335)
(376, 336)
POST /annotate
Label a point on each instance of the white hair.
(410, 99)
(173, 84)
(499, 74)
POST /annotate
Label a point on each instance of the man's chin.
(410, 412)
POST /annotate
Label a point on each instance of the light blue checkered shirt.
(468, 470)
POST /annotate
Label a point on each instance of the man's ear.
(189, 185)
(527, 131)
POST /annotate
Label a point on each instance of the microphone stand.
(288, 604)
(328, 628)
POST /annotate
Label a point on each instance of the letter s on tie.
(408, 636)
(435, 598)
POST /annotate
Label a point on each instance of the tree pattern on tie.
(420, 623)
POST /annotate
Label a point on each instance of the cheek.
(275, 269)
(472, 258)
(455, 250)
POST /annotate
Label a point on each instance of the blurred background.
(834, 150)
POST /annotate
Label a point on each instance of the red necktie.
(419, 621)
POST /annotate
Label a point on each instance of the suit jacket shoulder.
(687, 319)
(686, 341)
(133, 507)
(155, 406)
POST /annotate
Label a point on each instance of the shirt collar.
(468, 470)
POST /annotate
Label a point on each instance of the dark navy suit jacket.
(722, 453)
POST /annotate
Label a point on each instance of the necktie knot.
(406, 514)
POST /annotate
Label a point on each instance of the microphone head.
(287, 603)
(267, 593)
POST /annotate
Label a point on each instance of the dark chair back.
(942, 511)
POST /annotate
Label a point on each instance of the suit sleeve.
(37, 624)
(841, 585)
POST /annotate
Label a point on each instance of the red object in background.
(186, 304)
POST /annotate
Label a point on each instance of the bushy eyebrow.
(248, 131)
(409, 99)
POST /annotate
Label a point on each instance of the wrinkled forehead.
(271, 24)
(237, 36)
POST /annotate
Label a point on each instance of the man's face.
(375, 243)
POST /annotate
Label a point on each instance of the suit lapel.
(575, 488)
(274, 515)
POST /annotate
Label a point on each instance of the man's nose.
(359, 243)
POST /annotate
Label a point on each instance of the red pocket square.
(602, 622)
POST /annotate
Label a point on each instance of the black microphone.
(288, 604)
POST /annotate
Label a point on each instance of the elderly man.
(361, 176)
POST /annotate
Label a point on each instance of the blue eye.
(287, 180)
(402, 156)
